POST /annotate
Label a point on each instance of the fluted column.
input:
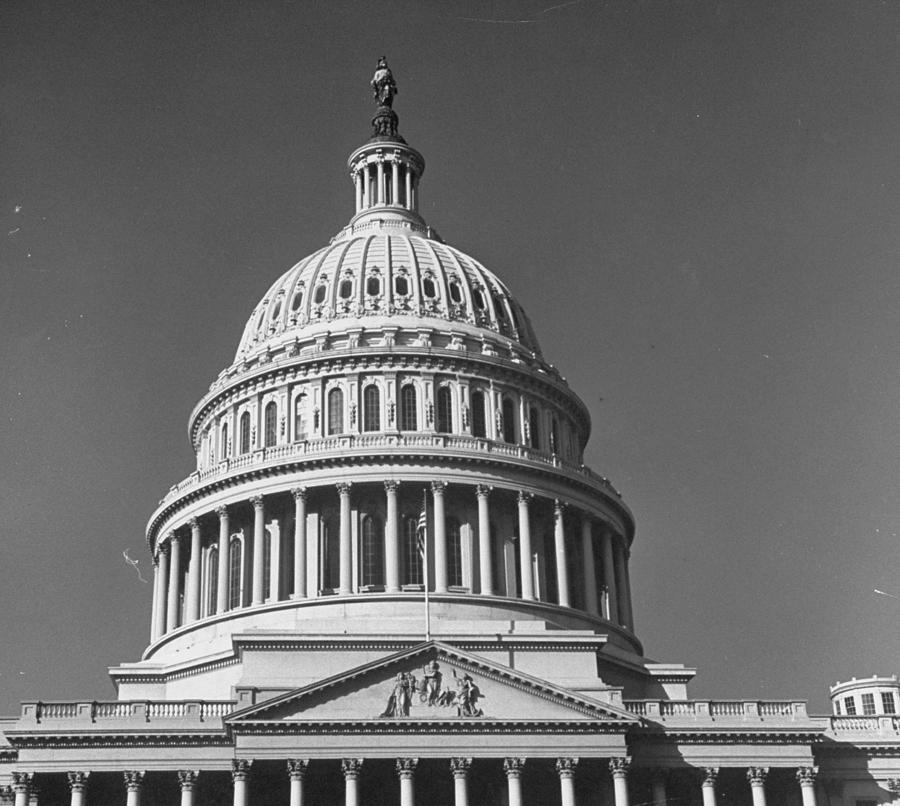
(628, 618)
(710, 775)
(589, 568)
(134, 780)
(154, 620)
(346, 540)
(172, 605)
(162, 559)
(619, 769)
(513, 769)
(357, 188)
(379, 186)
(408, 179)
(259, 546)
(395, 182)
(351, 767)
(222, 574)
(526, 566)
(21, 783)
(609, 577)
(297, 772)
(367, 186)
(240, 774)
(406, 770)
(565, 767)
(299, 494)
(485, 555)
(391, 538)
(757, 778)
(806, 777)
(460, 769)
(440, 537)
(192, 603)
(562, 563)
(187, 782)
(77, 787)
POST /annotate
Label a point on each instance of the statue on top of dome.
(384, 88)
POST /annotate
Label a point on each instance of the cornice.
(468, 725)
(151, 738)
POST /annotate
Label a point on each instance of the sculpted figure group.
(464, 697)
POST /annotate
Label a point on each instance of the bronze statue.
(384, 88)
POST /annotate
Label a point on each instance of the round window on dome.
(319, 298)
(297, 301)
(456, 292)
(401, 286)
(373, 286)
(428, 288)
(346, 289)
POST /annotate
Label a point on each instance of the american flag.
(422, 527)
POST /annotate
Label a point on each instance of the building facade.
(391, 577)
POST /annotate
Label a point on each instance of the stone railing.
(361, 444)
(881, 725)
(126, 712)
(718, 710)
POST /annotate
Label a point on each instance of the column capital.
(710, 775)
(171, 537)
(343, 487)
(240, 768)
(483, 490)
(559, 506)
(133, 780)
(459, 766)
(512, 766)
(391, 486)
(351, 767)
(757, 775)
(257, 501)
(222, 512)
(566, 766)
(6, 794)
(438, 487)
(524, 498)
(807, 775)
(296, 768)
(892, 785)
(77, 780)
(194, 523)
(299, 493)
(187, 779)
(620, 766)
(22, 780)
(406, 767)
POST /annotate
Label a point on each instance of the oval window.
(276, 310)
(401, 286)
(428, 288)
(456, 292)
(478, 296)
(346, 289)
(297, 301)
(373, 286)
(319, 298)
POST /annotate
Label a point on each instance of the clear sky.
(697, 204)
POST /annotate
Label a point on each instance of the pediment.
(430, 682)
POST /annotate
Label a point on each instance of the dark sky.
(697, 204)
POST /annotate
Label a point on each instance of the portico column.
(406, 770)
(619, 769)
(525, 560)
(562, 568)
(440, 537)
(259, 545)
(346, 540)
(134, 779)
(21, 783)
(513, 769)
(460, 769)
(391, 539)
(162, 558)
(351, 768)
(299, 494)
(566, 769)
(222, 573)
(757, 778)
(297, 772)
(589, 569)
(609, 577)
(187, 780)
(710, 774)
(658, 789)
(485, 555)
(192, 607)
(174, 583)
(77, 786)
(240, 774)
(806, 777)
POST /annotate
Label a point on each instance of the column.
(162, 559)
(658, 788)
(485, 556)
(192, 606)
(379, 167)
(619, 769)
(628, 618)
(21, 783)
(299, 494)
(609, 576)
(525, 559)
(391, 538)
(346, 544)
(440, 537)
(34, 795)
(408, 178)
(357, 190)
(154, 621)
(259, 546)
(460, 769)
(395, 181)
(806, 777)
(133, 781)
(351, 767)
(710, 774)
(77, 786)
(222, 574)
(566, 769)
(513, 769)
(297, 772)
(240, 774)
(406, 770)
(757, 778)
(172, 605)
(562, 568)
(187, 780)
(367, 186)
(589, 568)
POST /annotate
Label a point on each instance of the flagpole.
(425, 564)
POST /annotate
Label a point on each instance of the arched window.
(212, 579)
(454, 553)
(534, 427)
(223, 445)
(444, 410)
(245, 432)
(271, 422)
(299, 420)
(235, 573)
(372, 551)
(509, 420)
(408, 405)
(371, 408)
(335, 412)
(479, 423)
(412, 559)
